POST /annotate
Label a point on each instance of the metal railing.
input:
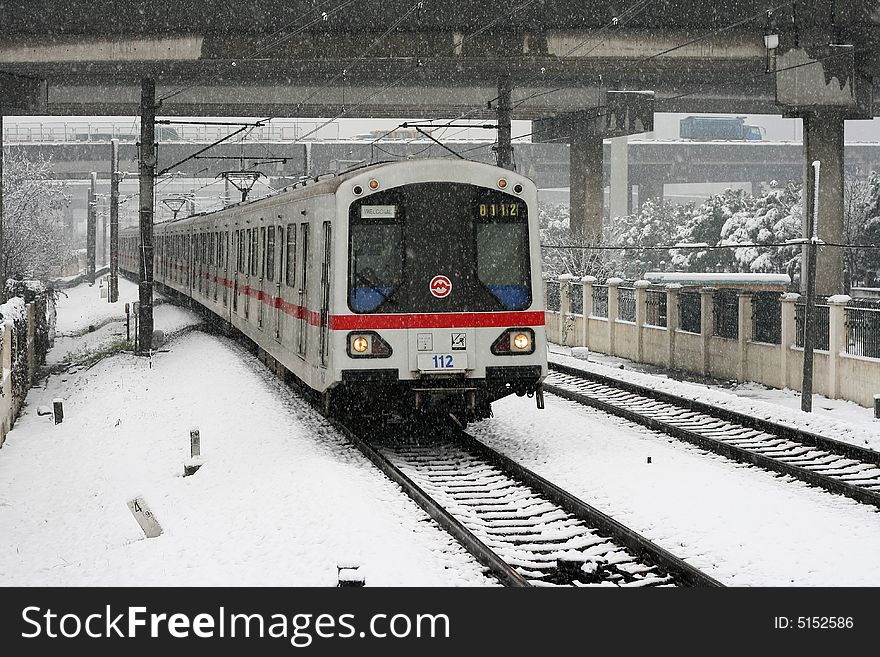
(863, 330)
(821, 325)
(577, 298)
(690, 315)
(766, 317)
(626, 304)
(554, 302)
(725, 318)
(655, 308)
(600, 301)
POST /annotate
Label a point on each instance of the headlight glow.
(360, 344)
(521, 341)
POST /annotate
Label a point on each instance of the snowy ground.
(281, 499)
(742, 525)
(835, 418)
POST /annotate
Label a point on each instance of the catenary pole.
(114, 220)
(91, 227)
(809, 310)
(147, 170)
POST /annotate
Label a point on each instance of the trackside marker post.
(58, 410)
(195, 452)
(144, 517)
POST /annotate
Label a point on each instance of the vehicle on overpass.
(730, 128)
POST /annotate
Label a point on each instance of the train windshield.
(439, 247)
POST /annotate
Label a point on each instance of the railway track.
(836, 466)
(527, 531)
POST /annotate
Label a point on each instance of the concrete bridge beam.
(823, 141)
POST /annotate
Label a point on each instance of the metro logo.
(440, 286)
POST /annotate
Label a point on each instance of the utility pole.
(505, 109)
(809, 310)
(91, 229)
(114, 221)
(147, 170)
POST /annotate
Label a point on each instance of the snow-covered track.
(836, 466)
(526, 530)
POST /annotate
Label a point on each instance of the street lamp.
(174, 204)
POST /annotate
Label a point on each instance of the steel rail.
(833, 447)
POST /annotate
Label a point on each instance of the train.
(404, 287)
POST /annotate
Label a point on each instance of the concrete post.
(619, 195)
(613, 311)
(836, 341)
(565, 318)
(672, 290)
(823, 141)
(787, 335)
(707, 315)
(91, 228)
(641, 291)
(587, 291)
(114, 220)
(586, 187)
(743, 332)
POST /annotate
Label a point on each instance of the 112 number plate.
(440, 362)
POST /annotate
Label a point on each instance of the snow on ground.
(281, 499)
(741, 525)
(834, 418)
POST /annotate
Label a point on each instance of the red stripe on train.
(435, 320)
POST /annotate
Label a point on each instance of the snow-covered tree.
(33, 218)
(571, 253)
(704, 226)
(861, 214)
(771, 218)
(657, 223)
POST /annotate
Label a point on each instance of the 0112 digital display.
(499, 210)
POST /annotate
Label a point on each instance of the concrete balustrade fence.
(26, 333)
(837, 374)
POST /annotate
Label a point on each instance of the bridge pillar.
(623, 113)
(587, 187)
(620, 191)
(823, 141)
(91, 227)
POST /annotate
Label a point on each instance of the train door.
(325, 294)
(262, 262)
(303, 311)
(275, 308)
(289, 271)
(224, 268)
(250, 264)
(236, 245)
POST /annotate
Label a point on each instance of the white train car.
(414, 285)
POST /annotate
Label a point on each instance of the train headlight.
(374, 184)
(514, 342)
(522, 341)
(502, 183)
(367, 344)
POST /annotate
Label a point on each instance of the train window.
(252, 240)
(241, 260)
(375, 266)
(262, 257)
(290, 264)
(503, 259)
(212, 245)
(270, 253)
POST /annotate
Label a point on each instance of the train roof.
(328, 183)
